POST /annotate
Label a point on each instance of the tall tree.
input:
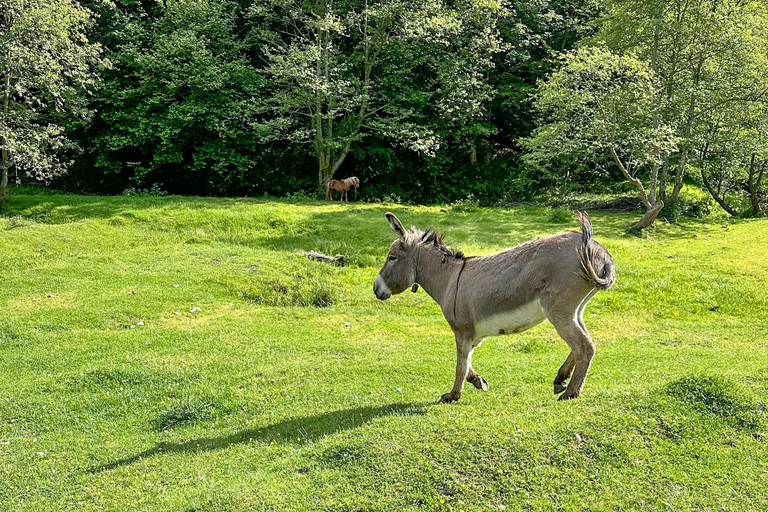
(602, 102)
(341, 71)
(46, 64)
(707, 55)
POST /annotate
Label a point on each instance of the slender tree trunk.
(328, 162)
(649, 217)
(663, 177)
(652, 208)
(716, 194)
(691, 117)
(755, 180)
(5, 160)
(4, 176)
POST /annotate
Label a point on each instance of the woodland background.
(425, 101)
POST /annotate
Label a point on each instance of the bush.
(468, 205)
(559, 215)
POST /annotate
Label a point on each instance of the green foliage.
(426, 101)
(598, 102)
(559, 215)
(338, 73)
(155, 190)
(710, 59)
(177, 107)
(467, 205)
(46, 68)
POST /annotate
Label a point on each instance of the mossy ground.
(116, 395)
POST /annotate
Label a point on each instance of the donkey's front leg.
(464, 348)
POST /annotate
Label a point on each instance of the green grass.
(115, 395)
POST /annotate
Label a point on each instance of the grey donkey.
(552, 278)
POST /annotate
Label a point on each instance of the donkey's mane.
(430, 236)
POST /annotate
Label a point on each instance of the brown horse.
(342, 187)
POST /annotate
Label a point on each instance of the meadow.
(177, 354)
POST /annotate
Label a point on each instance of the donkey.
(508, 292)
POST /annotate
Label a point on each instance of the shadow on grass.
(308, 429)
(66, 208)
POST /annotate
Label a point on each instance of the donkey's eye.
(392, 258)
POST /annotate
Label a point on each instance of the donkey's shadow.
(307, 429)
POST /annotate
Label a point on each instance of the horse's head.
(399, 271)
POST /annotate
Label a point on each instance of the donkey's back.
(516, 289)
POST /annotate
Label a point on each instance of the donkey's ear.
(397, 227)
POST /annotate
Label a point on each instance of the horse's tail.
(593, 256)
(328, 190)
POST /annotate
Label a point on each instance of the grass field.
(293, 388)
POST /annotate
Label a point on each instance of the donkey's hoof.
(480, 383)
(447, 398)
(560, 387)
(567, 396)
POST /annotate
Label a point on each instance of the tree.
(599, 102)
(732, 158)
(46, 65)
(706, 54)
(341, 71)
(177, 108)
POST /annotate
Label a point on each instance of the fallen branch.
(337, 260)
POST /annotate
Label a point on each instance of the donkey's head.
(399, 271)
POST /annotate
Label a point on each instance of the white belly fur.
(509, 322)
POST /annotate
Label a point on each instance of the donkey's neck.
(437, 274)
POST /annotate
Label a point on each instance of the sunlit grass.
(177, 354)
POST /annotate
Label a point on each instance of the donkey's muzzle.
(380, 289)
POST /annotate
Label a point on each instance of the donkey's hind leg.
(566, 370)
(564, 373)
(565, 317)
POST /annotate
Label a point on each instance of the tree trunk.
(647, 219)
(755, 180)
(5, 164)
(4, 178)
(652, 207)
(691, 117)
(716, 195)
(663, 176)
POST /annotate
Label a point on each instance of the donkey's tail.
(596, 263)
